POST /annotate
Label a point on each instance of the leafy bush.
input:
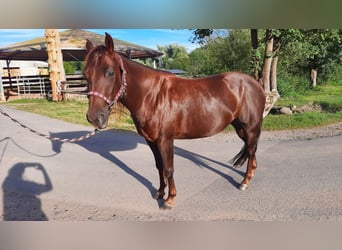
(335, 78)
(292, 86)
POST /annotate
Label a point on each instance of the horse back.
(192, 108)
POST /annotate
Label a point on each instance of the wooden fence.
(27, 85)
(39, 85)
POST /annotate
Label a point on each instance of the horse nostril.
(98, 119)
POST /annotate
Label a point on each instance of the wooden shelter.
(72, 43)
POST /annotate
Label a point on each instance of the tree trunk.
(255, 59)
(313, 78)
(274, 64)
(272, 96)
(254, 38)
(269, 71)
(266, 70)
(274, 73)
(55, 60)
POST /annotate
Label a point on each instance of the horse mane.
(146, 66)
(96, 55)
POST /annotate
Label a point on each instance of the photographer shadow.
(20, 195)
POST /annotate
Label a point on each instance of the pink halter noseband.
(121, 91)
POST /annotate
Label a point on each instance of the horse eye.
(109, 73)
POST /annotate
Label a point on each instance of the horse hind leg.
(251, 166)
(240, 158)
(250, 136)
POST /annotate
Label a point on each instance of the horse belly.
(198, 123)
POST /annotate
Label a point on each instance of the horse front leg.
(166, 150)
(160, 166)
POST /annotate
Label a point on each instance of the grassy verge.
(302, 120)
(73, 111)
(328, 97)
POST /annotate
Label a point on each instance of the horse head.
(106, 82)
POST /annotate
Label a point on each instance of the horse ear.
(109, 43)
(89, 45)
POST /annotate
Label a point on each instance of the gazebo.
(72, 44)
(73, 47)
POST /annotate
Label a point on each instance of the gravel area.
(303, 134)
(286, 135)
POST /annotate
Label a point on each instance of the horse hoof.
(167, 206)
(243, 187)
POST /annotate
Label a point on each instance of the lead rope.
(78, 139)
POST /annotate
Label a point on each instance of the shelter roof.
(73, 47)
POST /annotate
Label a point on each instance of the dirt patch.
(310, 107)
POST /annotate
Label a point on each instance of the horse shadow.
(107, 141)
(20, 195)
(203, 162)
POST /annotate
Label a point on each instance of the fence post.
(2, 94)
(55, 59)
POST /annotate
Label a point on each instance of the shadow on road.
(109, 141)
(202, 161)
(7, 140)
(105, 142)
(20, 194)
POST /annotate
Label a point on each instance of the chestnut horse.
(165, 107)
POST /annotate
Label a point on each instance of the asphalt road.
(112, 176)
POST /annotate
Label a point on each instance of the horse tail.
(240, 158)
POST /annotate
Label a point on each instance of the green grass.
(73, 111)
(302, 120)
(328, 97)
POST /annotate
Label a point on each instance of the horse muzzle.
(98, 119)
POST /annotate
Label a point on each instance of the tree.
(324, 51)
(256, 55)
(175, 57)
(268, 77)
(201, 35)
(73, 67)
(269, 68)
(234, 52)
(268, 57)
(203, 63)
(314, 53)
(222, 53)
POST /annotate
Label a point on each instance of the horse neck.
(138, 78)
